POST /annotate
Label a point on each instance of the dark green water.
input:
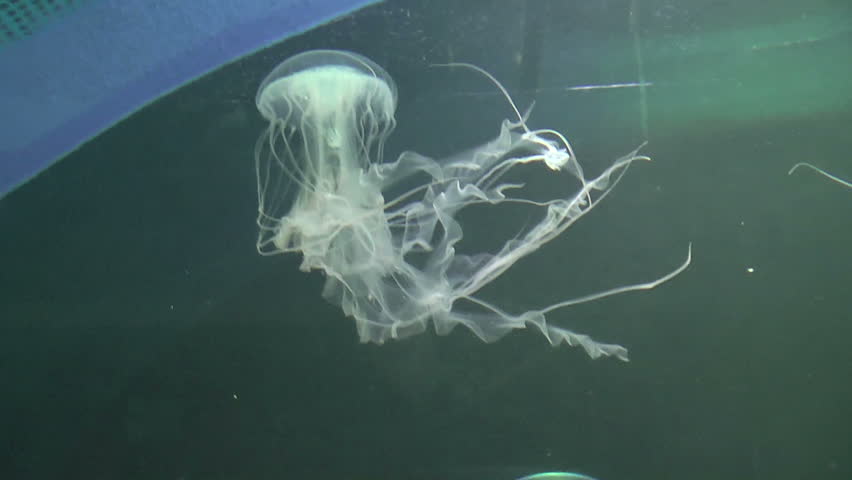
(142, 337)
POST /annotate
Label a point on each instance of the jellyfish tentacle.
(822, 172)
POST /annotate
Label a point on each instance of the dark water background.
(143, 337)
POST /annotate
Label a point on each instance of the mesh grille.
(20, 18)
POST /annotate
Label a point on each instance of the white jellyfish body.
(391, 262)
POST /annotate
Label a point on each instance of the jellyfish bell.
(329, 88)
(388, 249)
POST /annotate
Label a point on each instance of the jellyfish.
(385, 233)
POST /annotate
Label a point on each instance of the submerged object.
(73, 69)
(557, 476)
(385, 233)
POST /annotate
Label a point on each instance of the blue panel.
(99, 62)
